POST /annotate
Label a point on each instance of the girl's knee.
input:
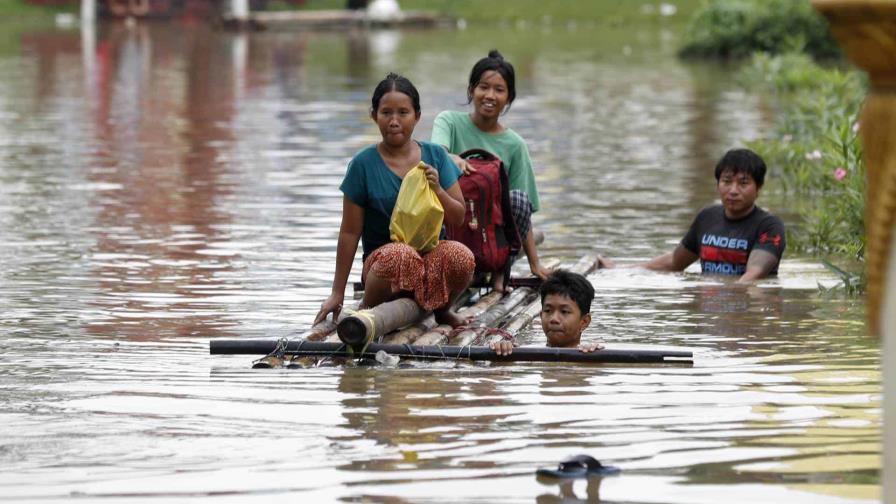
(458, 262)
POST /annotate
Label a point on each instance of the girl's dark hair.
(494, 61)
(395, 82)
(569, 284)
(742, 161)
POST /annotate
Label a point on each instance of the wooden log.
(411, 333)
(362, 326)
(438, 335)
(324, 328)
(489, 318)
(478, 353)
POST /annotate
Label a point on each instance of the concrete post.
(239, 11)
(88, 11)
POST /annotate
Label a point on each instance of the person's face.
(562, 320)
(738, 193)
(490, 95)
(396, 118)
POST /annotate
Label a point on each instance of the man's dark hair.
(569, 284)
(395, 82)
(494, 61)
(742, 161)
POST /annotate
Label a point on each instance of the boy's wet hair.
(395, 82)
(494, 61)
(569, 284)
(742, 161)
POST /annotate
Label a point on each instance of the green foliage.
(16, 10)
(737, 28)
(529, 12)
(815, 152)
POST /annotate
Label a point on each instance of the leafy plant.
(815, 153)
(737, 28)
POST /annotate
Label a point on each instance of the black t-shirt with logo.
(724, 245)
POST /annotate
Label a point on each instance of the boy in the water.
(565, 312)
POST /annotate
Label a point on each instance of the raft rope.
(278, 352)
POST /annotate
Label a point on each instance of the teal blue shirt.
(370, 184)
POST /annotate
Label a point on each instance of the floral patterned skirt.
(432, 277)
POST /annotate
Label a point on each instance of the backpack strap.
(480, 153)
(510, 230)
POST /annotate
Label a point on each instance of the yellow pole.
(866, 29)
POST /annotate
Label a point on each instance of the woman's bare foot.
(451, 317)
(498, 284)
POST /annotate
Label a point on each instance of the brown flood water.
(162, 185)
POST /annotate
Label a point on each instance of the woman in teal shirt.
(491, 90)
(370, 190)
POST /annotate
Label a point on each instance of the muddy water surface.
(165, 184)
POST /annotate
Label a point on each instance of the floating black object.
(579, 466)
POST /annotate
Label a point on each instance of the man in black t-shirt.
(735, 237)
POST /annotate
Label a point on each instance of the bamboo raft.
(401, 328)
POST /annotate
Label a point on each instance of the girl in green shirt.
(491, 90)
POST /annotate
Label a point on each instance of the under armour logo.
(776, 240)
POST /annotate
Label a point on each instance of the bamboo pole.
(534, 354)
(325, 327)
(364, 325)
(410, 334)
(439, 334)
(489, 318)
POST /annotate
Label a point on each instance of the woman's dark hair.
(742, 161)
(569, 284)
(395, 82)
(494, 61)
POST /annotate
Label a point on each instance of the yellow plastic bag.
(418, 213)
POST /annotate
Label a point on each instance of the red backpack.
(488, 229)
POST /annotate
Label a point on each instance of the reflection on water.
(160, 185)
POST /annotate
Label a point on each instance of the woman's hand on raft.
(462, 163)
(332, 304)
(540, 271)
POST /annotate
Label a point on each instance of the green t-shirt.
(456, 131)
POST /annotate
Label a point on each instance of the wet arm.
(346, 247)
(759, 265)
(531, 250)
(677, 260)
